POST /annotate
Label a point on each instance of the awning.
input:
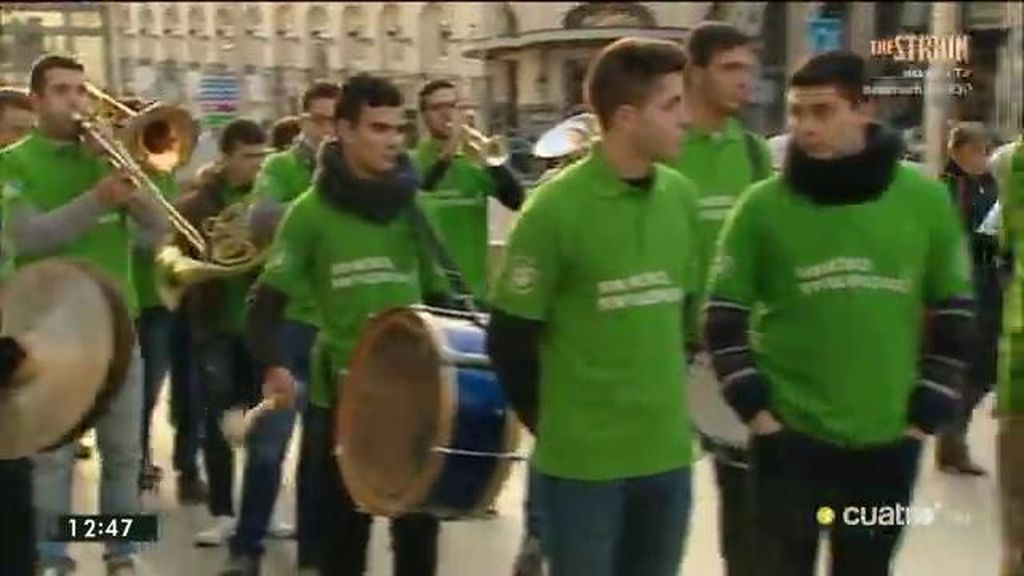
(488, 47)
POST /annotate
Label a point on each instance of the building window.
(317, 24)
(196, 21)
(284, 20)
(147, 25)
(225, 23)
(508, 22)
(253, 20)
(392, 37)
(610, 15)
(431, 35)
(353, 22)
(172, 20)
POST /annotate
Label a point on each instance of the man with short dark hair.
(455, 189)
(357, 211)
(589, 327)
(722, 158)
(60, 199)
(284, 177)
(835, 265)
(284, 132)
(214, 310)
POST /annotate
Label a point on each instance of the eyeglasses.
(318, 119)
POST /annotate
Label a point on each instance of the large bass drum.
(422, 424)
(64, 352)
(711, 415)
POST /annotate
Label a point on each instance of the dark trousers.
(186, 399)
(17, 521)
(346, 531)
(155, 327)
(737, 542)
(227, 379)
(794, 476)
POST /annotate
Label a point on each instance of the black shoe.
(192, 491)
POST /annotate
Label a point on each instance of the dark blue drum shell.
(480, 425)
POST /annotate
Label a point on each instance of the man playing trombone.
(456, 187)
(62, 199)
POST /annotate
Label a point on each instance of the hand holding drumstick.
(278, 392)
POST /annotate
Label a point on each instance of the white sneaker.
(218, 534)
(281, 531)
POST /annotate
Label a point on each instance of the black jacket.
(974, 197)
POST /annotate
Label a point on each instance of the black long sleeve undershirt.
(513, 344)
(265, 324)
(435, 174)
(508, 190)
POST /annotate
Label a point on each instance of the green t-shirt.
(606, 267)
(719, 164)
(1010, 392)
(457, 208)
(353, 269)
(841, 293)
(143, 274)
(46, 174)
(284, 177)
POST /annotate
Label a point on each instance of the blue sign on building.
(824, 34)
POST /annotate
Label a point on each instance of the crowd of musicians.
(834, 305)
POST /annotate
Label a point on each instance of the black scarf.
(378, 200)
(854, 179)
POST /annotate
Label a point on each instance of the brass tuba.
(160, 137)
(570, 138)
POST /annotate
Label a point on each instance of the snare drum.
(422, 424)
(711, 415)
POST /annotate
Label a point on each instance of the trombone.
(161, 136)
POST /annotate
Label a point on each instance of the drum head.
(124, 345)
(394, 408)
(60, 317)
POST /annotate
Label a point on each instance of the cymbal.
(124, 345)
(57, 345)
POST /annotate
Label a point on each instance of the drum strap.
(439, 253)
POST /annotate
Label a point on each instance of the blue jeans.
(267, 445)
(631, 527)
(117, 437)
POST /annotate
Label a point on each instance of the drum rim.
(503, 468)
(510, 434)
(124, 340)
(419, 490)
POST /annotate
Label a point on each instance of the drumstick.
(236, 423)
